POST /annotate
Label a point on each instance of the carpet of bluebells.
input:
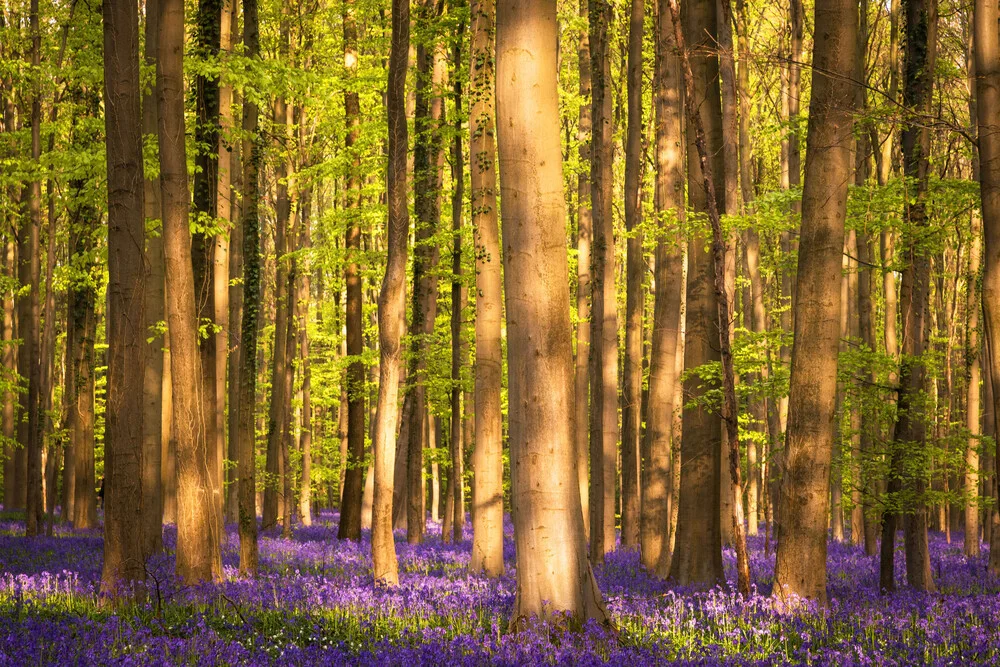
(315, 603)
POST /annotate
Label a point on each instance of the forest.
(500, 332)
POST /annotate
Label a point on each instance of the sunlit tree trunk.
(800, 570)
(659, 443)
(553, 574)
(987, 57)
(584, 237)
(391, 302)
(972, 403)
(198, 530)
(487, 461)
(635, 296)
(458, 298)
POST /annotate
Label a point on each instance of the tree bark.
(487, 455)
(972, 403)
(604, 304)
(198, 531)
(540, 357)
(126, 539)
(391, 302)
(457, 476)
(659, 443)
(350, 511)
(800, 570)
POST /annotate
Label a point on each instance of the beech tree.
(540, 355)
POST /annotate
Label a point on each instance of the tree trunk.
(458, 298)
(540, 355)
(125, 534)
(584, 236)
(987, 56)
(972, 404)
(604, 307)
(208, 38)
(198, 532)
(391, 301)
(9, 400)
(152, 388)
(487, 455)
(800, 568)
(659, 443)
(302, 298)
(698, 558)
(350, 510)
(251, 297)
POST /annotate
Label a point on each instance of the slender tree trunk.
(659, 443)
(251, 300)
(198, 530)
(125, 534)
(152, 388)
(487, 461)
(302, 298)
(972, 404)
(540, 357)
(350, 511)
(9, 400)
(208, 38)
(391, 301)
(584, 237)
(987, 57)
(800, 569)
(458, 298)
(604, 307)
(698, 558)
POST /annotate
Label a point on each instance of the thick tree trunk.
(659, 443)
(456, 478)
(800, 569)
(540, 354)
(30, 431)
(198, 530)
(698, 558)
(604, 308)
(391, 302)
(987, 56)
(126, 539)
(487, 455)
(350, 509)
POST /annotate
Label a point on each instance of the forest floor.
(315, 603)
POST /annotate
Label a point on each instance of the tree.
(604, 302)
(911, 427)
(540, 355)
(125, 539)
(391, 304)
(987, 58)
(698, 560)
(487, 456)
(350, 511)
(198, 531)
(659, 444)
(803, 504)
(250, 227)
(635, 263)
